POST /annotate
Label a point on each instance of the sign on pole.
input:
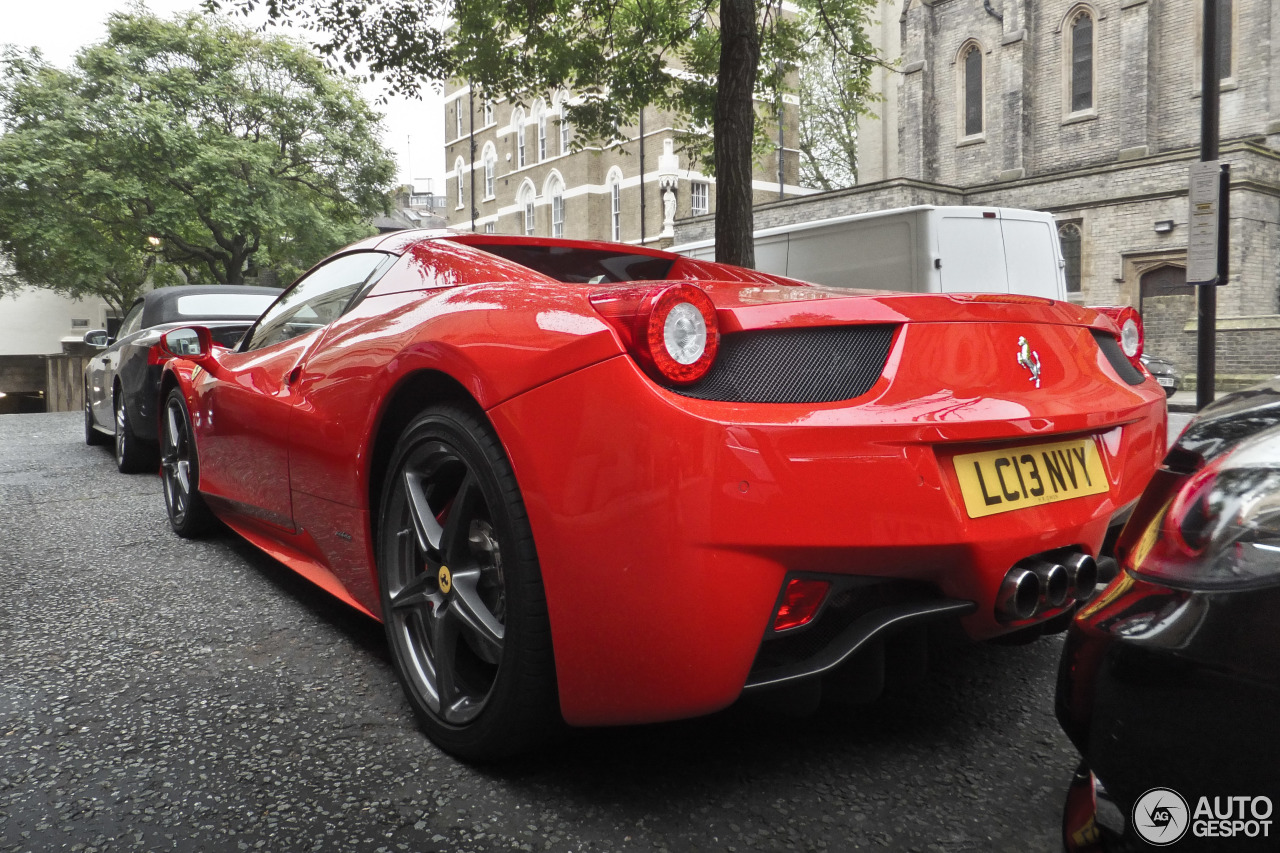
(1202, 244)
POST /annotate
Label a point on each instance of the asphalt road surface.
(161, 694)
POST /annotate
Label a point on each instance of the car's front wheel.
(462, 596)
(180, 470)
(133, 454)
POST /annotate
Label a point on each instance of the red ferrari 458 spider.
(615, 485)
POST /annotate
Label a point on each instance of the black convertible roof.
(161, 306)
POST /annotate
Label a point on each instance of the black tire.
(133, 454)
(462, 597)
(189, 515)
(92, 437)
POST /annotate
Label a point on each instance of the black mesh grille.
(1111, 349)
(819, 365)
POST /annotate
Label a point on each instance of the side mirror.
(190, 342)
(97, 338)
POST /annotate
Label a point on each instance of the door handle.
(293, 375)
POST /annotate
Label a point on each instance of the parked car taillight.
(1132, 334)
(670, 329)
(1222, 529)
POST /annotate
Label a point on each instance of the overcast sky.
(413, 130)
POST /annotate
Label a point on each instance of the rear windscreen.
(246, 305)
(588, 266)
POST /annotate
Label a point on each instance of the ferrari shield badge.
(1029, 359)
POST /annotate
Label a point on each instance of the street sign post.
(1202, 218)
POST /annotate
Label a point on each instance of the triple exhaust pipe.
(1045, 582)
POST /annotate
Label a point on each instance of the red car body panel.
(665, 525)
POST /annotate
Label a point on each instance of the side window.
(318, 299)
(132, 321)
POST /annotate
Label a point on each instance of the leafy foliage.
(835, 91)
(708, 61)
(188, 145)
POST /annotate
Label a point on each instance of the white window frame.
(517, 122)
(540, 116)
(615, 206)
(699, 198)
(490, 167)
(459, 167)
(527, 199)
(554, 190)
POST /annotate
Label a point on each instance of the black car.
(1170, 679)
(121, 383)
(1166, 373)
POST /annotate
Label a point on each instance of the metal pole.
(642, 234)
(1207, 309)
(781, 173)
(471, 106)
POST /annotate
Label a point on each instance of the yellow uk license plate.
(996, 481)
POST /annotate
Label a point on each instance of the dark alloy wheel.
(462, 596)
(180, 470)
(133, 455)
(92, 437)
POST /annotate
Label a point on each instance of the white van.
(924, 249)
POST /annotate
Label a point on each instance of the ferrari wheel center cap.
(446, 580)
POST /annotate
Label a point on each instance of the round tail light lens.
(685, 333)
(682, 334)
(1131, 338)
(669, 329)
(1129, 321)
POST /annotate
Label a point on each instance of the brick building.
(511, 170)
(1089, 110)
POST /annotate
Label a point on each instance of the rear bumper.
(666, 526)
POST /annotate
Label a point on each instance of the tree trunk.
(734, 130)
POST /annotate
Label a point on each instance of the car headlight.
(1222, 529)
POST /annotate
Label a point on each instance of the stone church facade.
(1089, 110)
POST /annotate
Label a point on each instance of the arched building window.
(971, 90)
(527, 196)
(540, 115)
(615, 204)
(1069, 235)
(517, 124)
(563, 126)
(554, 190)
(1226, 58)
(490, 166)
(1081, 53)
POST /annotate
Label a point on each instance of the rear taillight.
(1132, 335)
(669, 329)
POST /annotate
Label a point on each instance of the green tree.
(189, 145)
(709, 61)
(833, 97)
